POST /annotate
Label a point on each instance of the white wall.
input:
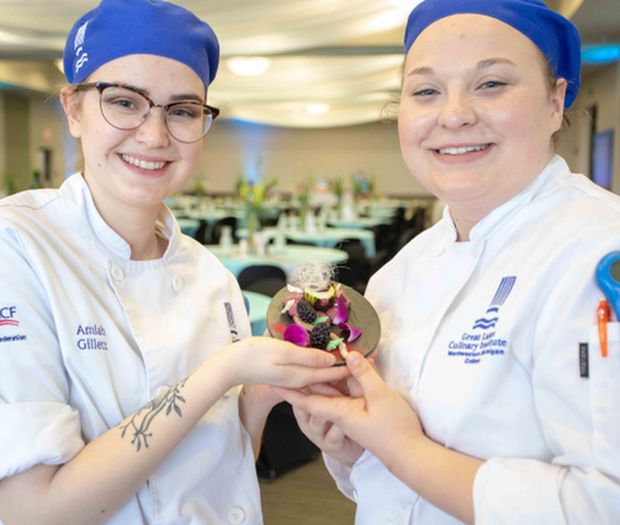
(600, 87)
(233, 148)
(292, 155)
(41, 76)
(47, 130)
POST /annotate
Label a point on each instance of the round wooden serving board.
(361, 315)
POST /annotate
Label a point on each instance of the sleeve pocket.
(605, 399)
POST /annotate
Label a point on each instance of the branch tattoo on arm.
(139, 424)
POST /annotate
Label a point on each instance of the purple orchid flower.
(349, 332)
(297, 335)
(340, 312)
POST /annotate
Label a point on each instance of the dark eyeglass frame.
(101, 86)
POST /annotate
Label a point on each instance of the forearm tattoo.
(139, 424)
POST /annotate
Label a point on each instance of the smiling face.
(476, 114)
(136, 168)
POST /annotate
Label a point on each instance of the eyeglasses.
(125, 108)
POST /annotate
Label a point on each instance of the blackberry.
(319, 336)
(305, 312)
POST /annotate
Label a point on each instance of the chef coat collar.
(495, 219)
(79, 191)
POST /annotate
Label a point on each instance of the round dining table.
(257, 305)
(212, 215)
(189, 226)
(288, 257)
(358, 223)
(189, 221)
(321, 237)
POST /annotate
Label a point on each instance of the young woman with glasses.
(123, 343)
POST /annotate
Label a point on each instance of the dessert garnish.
(315, 310)
(319, 309)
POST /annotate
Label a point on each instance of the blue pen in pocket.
(608, 279)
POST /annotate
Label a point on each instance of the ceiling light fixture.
(317, 108)
(603, 54)
(248, 66)
(405, 6)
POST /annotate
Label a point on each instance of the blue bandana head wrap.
(555, 36)
(117, 28)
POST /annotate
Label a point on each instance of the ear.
(557, 97)
(71, 103)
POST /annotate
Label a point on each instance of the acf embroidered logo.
(481, 340)
(8, 316)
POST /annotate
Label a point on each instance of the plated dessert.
(316, 311)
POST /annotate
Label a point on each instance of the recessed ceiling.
(343, 55)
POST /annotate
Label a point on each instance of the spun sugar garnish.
(323, 309)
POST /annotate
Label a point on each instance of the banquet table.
(257, 310)
(288, 257)
(189, 226)
(385, 214)
(323, 237)
(359, 223)
(213, 215)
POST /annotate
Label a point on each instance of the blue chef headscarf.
(117, 28)
(554, 35)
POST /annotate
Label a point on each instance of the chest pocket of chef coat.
(604, 382)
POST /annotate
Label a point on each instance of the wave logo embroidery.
(7, 316)
(491, 316)
(80, 55)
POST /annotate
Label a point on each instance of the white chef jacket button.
(177, 283)
(236, 515)
(117, 273)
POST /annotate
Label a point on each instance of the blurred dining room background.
(302, 165)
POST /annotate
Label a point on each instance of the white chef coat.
(90, 336)
(482, 338)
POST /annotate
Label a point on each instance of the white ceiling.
(598, 21)
(342, 54)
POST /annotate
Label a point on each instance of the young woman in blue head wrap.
(105, 307)
(484, 405)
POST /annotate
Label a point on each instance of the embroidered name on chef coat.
(9, 320)
(482, 340)
(91, 337)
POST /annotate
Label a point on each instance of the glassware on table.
(310, 225)
(260, 242)
(226, 241)
(243, 247)
(279, 241)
